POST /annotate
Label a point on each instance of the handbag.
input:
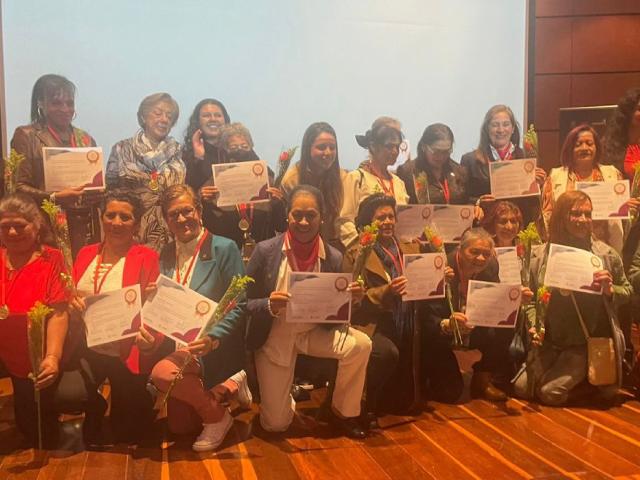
(601, 355)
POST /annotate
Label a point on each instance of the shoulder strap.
(582, 324)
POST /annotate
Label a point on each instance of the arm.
(57, 326)
(547, 201)
(25, 182)
(257, 303)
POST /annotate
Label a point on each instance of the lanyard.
(193, 260)
(4, 277)
(398, 262)
(445, 191)
(97, 287)
(390, 191)
(54, 134)
(245, 212)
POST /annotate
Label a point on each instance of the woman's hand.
(200, 348)
(278, 301)
(49, 371)
(458, 317)
(150, 290)
(276, 194)
(526, 295)
(478, 213)
(399, 285)
(634, 204)
(449, 274)
(69, 195)
(487, 198)
(209, 193)
(144, 340)
(357, 291)
(197, 142)
(537, 338)
(77, 305)
(541, 176)
(604, 280)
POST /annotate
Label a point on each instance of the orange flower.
(520, 250)
(366, 239)
(546, 297)
(284, 156)
(436, 241)
(61, 219)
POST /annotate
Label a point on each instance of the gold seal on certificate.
(595, 261)
(465, 213)
(438, 262)
(202, 308)
(93, 156)
(257, 169)
(529, 166)
(620, 188)
(514, 294)
(243, 224)
(130, 296)
(426, 213)
(341, 284)
(4, 312)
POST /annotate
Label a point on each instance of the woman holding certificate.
(580, 158)
(248, 222)
(111, 265)
(31, 272)
(205, 263)
(503, 222)
(52, 111)
(576, 324)
(148, 163)
(499, 141)
(319, 166)
(383, 143)
(277, 341)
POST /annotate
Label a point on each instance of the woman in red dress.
(31, 272)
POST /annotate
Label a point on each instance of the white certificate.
(177, 311)
(513, 178)
(241, 182)
(609, 199)
(572, 268)
(404, 152)
(72, 167)
(318, 297)
(450, 221)
(410, 221)
(425, 276)
(493, 304)
(509, 264)
(112, 316)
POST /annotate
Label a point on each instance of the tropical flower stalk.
(530, 142)
(284, 160)
(420, 184)
(437, 243)
(11, 165)
(36, 324)
(526, 239)
(228, 302)
(60, 227)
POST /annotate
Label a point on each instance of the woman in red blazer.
(116, 263)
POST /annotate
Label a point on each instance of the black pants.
(493, 343)
(440, 370)
(383, 362)
(132, 412)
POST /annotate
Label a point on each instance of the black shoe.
(348, 427)
(369, 421)
(300, 394)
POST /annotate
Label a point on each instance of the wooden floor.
(473, 440)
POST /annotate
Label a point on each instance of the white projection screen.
(277, 65)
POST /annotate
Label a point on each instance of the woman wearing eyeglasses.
(372, 176)
(246, 223)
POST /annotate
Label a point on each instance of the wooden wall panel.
(552, 92)
(553, 8)
(601, 88)
(605, 44)
(605, 7)
(553, 45)
(549, 149)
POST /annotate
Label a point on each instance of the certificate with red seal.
(177, 311)
(73, 167)
(241, 182)
(609, 199)
(509, 264)
(318, 297)
(450, 221)
(425, 276)
(112, 316)
(514, 178)
(493, 304)
(570, 268)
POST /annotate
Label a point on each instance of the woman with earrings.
(52, 111)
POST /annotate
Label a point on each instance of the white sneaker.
(244, 394)
(213, 434)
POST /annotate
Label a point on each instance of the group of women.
(158, 214)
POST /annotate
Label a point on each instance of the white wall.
(278, 65)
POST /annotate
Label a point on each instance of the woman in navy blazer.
(277, 342)
(206, 263)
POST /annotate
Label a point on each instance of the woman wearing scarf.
(499, 141)
(277, 342)
(206, 263)
(561, 372)
(148, 163)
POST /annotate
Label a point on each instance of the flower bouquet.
(537, 324)
(11, 165)
(530, 142)
(420, 185)
(284, 160)
(228, 302)
(60, 229)
(526, 239)
(36, 324)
